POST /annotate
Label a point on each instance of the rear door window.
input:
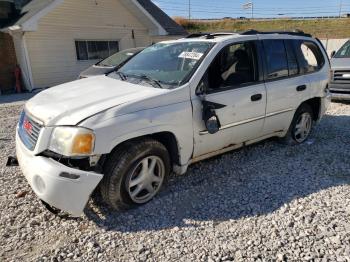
(309, 55)
(276, 59)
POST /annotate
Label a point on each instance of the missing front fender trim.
(81, 163)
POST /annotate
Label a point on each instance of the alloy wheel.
(303, 127)
(146, 179)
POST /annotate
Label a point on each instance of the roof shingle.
(162, 18)
(28, 8)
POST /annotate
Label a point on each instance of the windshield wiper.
(149, 79)
(121, 75)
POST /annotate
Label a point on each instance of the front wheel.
(145, 180)
(135, 173)
(301, 126)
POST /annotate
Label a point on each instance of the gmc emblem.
(27, 126)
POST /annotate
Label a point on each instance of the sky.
(262, 8)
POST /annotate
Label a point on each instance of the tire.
(293, 136)
(127, 165)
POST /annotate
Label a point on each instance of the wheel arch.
(168, 139)
(315, 104)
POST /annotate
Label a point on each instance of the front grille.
(29, 131)
(340, 92)
(341, 76)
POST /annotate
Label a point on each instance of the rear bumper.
(44, 176)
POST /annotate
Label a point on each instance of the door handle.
(301, 88)
(256, 97)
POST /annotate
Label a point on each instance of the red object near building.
(18, 74)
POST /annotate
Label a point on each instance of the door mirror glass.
(211, 120)
(212, 124)
(333, 53)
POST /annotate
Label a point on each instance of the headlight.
(72, 141)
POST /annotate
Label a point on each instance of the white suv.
(173, 104)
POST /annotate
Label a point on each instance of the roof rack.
(295, 32)
(194, 35)
(249, 32)
(209, 35)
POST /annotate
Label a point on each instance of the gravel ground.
(268, 202)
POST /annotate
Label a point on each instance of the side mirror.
(212, 124)
(211, 120)
(333, 53)
(200, 89)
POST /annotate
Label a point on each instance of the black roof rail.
(295, 32)
(194, 35)
(223, 33)
(209, 35)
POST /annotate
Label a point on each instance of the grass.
(321, 28)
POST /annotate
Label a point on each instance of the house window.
(95, 50)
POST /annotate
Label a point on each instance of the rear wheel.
(301, 126)
(135, 173)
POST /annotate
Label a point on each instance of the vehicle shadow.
(253, 181)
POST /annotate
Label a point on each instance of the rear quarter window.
(310, 56)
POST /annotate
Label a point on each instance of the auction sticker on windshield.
(191, 55)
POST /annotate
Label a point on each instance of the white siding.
(333, 44)
(51, 48)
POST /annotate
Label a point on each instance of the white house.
(54, 40)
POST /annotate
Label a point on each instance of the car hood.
(340, 63)
(70, 103)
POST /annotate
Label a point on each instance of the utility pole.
(189, 9)
(249, 5)
(340, 8)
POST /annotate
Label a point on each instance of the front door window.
(233, 67)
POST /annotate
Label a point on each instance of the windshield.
(344, 51)
(118, 58)
(167, 63)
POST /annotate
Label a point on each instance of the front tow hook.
(12, 161)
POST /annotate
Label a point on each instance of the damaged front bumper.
(58, 185)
